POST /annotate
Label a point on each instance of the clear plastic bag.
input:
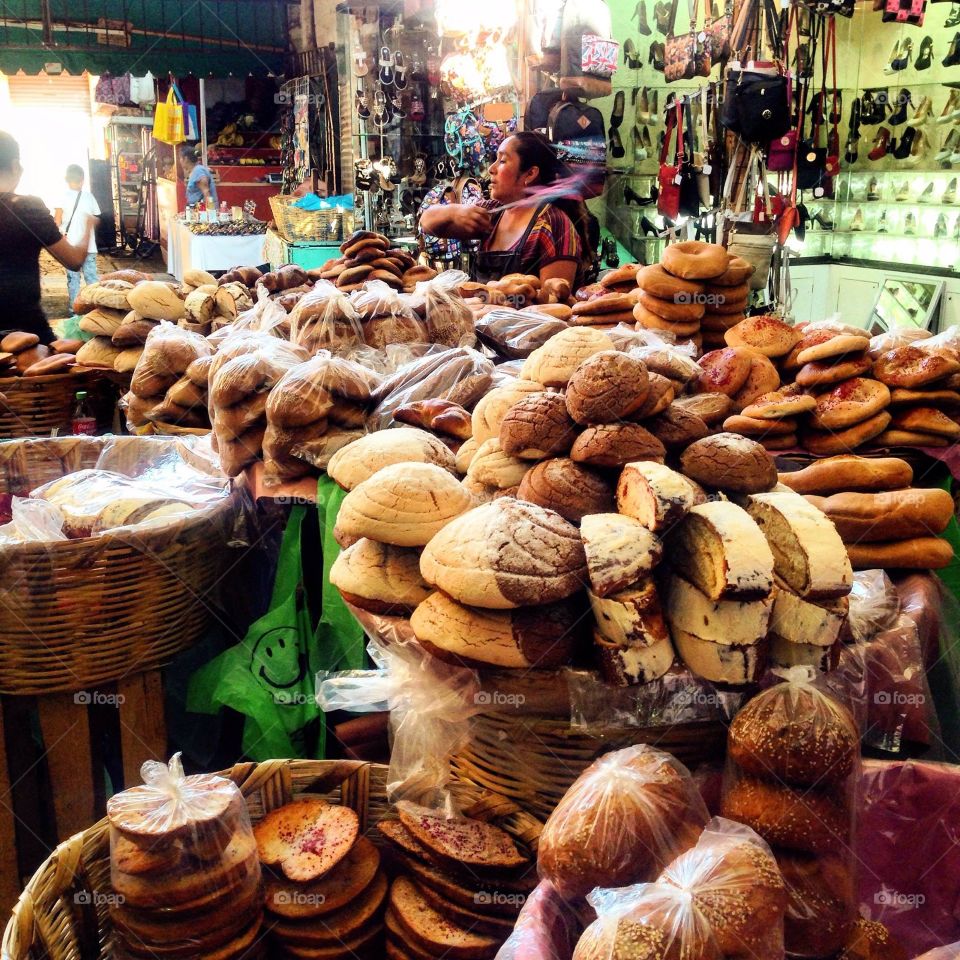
(448, 318)
(733, 879)
(793, 761)
(910, 855)
(623, 819)
(167, 353)
(949, 952)
(386, 316)
(33, 520)
(892, 339)
(461, 375)
(183, 863)
(429, 701)
(546, 928)
(874, 604)
(948, 339)
(325, 319)
(675, 362)
(515, 334)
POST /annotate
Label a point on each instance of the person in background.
(534, 222)
(26, 228)
(199, 180)
(69, 218)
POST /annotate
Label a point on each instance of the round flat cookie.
(347, 950)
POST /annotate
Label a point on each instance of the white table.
(186, 251)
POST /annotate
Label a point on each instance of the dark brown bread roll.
(569, 488)
(537, 426)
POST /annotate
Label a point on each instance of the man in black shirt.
(26, 227)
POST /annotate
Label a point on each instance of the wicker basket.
(79, 613)
(295, 225)
(39, 406)
(48, 922)
(534, 759)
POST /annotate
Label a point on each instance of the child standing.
(71, 217)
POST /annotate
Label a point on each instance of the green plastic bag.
(270, 676)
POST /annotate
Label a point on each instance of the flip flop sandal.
(381, 114)
(363, 106)
(399, 71)
(386, 67)
(364, 174)
(396, 103)
(360, 66)
(419, 175)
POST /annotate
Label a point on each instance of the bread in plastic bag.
(461, 375)
(734, 880)
(891, 339)
(546, 928)
(874, 604)
(167, 353)
(793, 760)
(515, 334)
(325, 319)
(386, 316)
(949, 952)
(183, 866)
(33, 521)
(623, 819)
(448, 318)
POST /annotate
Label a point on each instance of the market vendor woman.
(525, 227)
(199, 179)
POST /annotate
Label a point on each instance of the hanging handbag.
(911, 12)
(686, 55)
(832, 162)
(168, 120)
(718, 29)
(755, 242)
(599, 56)
(668, 179)
(783, 149)
(689, 188)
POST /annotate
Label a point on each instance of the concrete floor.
(53, 278)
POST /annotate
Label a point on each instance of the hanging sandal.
(922, 113)
(417, 110)
(924, 54)
(900, 114)
(641, 15)
(920, 148)
(881, 143)
(381, 114)
(386, 67)
(364, 175)
(953, 54)
(396, 106)
(419, 175)
(399, 71)
(363, 106)
(360, 66)
(616, 145)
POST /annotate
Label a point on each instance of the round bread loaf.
(711, 408)
(808, 821)
(357, 461)
(835, 345)
(911, 367)
(403, 504)
(647, 320)
(821, 903)
(554, 363)
(795, 734)
(659, 396)
(380, 578)
(850, 402)
(618, 823)
(680, 308)
(676, 427)
(830, 442)
(505, 554)
(871, 940)
(786, 402)
(738, 272)
(730, 462)
(761, 429)
(610, 303)
(492, 467)
(653, 279)
(723, 371)
(537, 426)
(823, 373)
(926, 420)
(543, 636)
(613, 445)
(607, 387)
(763, 378)
(490, 410)
(695, 260)
(766, 334)
(155, 300)
(569, 488)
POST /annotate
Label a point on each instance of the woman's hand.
(457, 220)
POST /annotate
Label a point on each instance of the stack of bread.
(793, 758)
(322, 399)
(325, 891)
(826, 393)
(723, 899)
(458, 885)
(519, 290)
(184, 869)
(402, 490)
(366, 255)
(883, 521)
(23, 355)
(696, 292)
(169, 382)
(606, 311)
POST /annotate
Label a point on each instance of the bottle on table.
(83, 422)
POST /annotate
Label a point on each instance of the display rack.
(133, 169)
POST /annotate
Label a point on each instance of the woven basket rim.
(48, 378)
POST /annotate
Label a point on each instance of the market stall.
(191, 247)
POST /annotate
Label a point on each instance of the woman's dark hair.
(535, 150)
(189, 154)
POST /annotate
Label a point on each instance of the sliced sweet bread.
(656, 495)
(460, 842)
(721, 662)
(351, 949)
(808, 552)
(730, 622)
(399, 940)
(798, 621)
(627, 666)
(471, 919)
(620, 551)
(630, 618)
(431, 931)
(720, 549)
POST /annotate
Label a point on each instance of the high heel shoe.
(821, 221)
(951, 109)
(950, 194)
(924, 54)
(815, 109)
(872, 191)
(641, 14)
(926, 195)
(643, 106)
(802, 61)
(631, 196)
(851, 154)
(920, 148)
(836, 107)
(856, 224)
(953, 18)
(649, 229)
(909, 225)
(900, 114)
(956, 228)
(948, 146)
(654, 109)
(902, 150)
(880, 144)
(882, 223)
(922, 113)
(902, 59)
(647, 141)
(639, 151)
(608, 252)
(657, 54)
(903, 192)
(940, 228)
(616, 115)
(953, 53)
(892, 59)
(616, 145)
